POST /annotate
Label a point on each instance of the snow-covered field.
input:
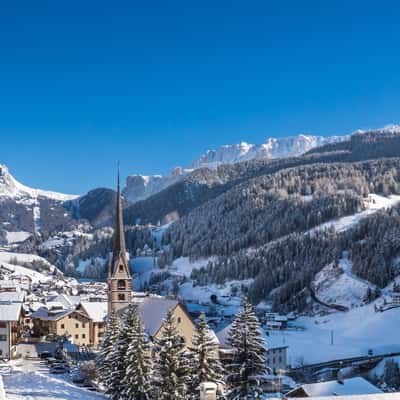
(34, 275)
(21, 385)
(354, 333)
(23, 258)
(17, 237)
(373, 203)
(338, 285)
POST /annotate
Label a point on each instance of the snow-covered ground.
(17, 237)
(338, 285)
(34, 275)
(23, 258)
(23, 385)
(373, 203)
(354, 333)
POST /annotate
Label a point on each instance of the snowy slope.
(22, 385)
(10, 187)
(354, 333)
(36, 276)
(337, 285)
(373, 203)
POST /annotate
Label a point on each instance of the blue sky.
(154, 84)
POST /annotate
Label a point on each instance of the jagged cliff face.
(139, 187)
(271, 149)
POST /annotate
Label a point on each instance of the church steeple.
(119, 275)
(119, 247)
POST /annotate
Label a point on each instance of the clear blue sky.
(155, 83)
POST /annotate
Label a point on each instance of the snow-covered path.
(21, 385)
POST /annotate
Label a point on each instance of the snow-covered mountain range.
(270, 149)
(11, 188)
(139, 187)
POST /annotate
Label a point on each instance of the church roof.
(153, 311)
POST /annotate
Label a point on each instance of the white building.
(10, 322)
(277, 358)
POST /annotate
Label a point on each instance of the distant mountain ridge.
(11, 188)
(139, 187)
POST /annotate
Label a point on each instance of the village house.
(11, 316)
(73, 324)
(96, 311)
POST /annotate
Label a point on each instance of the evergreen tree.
(392, 374)
(205, 365)
(171, 363)
(248, 365)
(116, 388)
(103, 362)
(137, 380)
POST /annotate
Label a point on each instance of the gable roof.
(96, 310)
(352, 386)
(10, 311)
(153, 311)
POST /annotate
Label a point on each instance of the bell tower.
(119, 275)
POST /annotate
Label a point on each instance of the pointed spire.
(119, 248)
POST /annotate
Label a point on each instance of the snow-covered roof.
(352, 386)
(43, 314)
(66, 300)
(153, 311)
(96, 310)
(11, 306)
(15, 297)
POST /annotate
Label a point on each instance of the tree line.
(131, 366)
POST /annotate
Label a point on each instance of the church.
(152, 309)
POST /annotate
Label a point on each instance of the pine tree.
(205, 365)
(115, 387)
(171, 363)
(103, 361)
(248, 365)
(137, 380)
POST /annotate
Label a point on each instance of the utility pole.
(332, 337)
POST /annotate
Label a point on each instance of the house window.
(76, 325)
(83, 336)
(3, 338)
(3, 324)
(121, 285)
(76, 336)
(121, 297)
(83, 325)
(27, 320)
(69, 317)
(121, 268)
(179, 320)
(62, 326)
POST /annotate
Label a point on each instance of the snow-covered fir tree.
(248, 365)
(171, 363)
(205, 365)
(138, 362)
(115, 387)
(104, 360)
